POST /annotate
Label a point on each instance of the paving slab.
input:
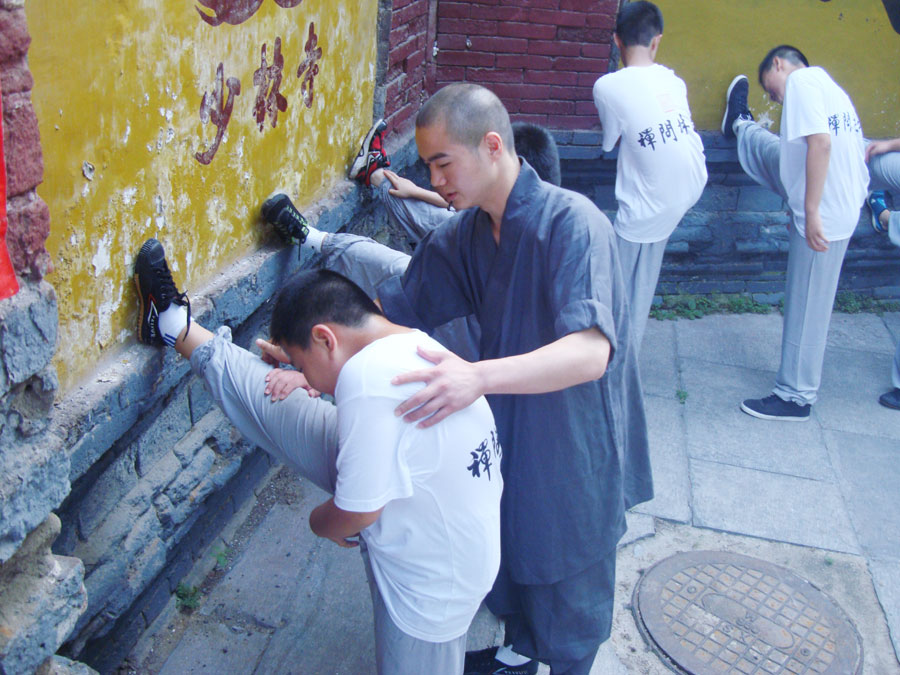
(870, 478)
(892, 321)
(771, 505)
(659, 372)
(639, 525)
(852, 381)
(862, 332)
(263, 586)
(886, 577)
(668, 460)
(719, 431)
(209, 647)
(748, 340)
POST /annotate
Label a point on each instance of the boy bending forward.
(425, 501)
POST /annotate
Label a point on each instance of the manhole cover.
(715, 612)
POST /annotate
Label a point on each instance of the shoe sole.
(146, 249)
(776, 418)
(737, 79)
(361, 160)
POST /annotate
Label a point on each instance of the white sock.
(315, 238)
(172, 322)
(506, 655)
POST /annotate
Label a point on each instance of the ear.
(494, 143)
(654, 44)
(321, 335)
(618, 42)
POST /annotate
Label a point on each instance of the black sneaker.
(890, 399)
(484, 662)
(157, 292)
(774, 408)
(371, 155)
(280, 212)
(736, 105)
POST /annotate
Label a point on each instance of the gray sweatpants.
(811, 283)
(884, 171)
(301, 432)
(884, 174)
(416, 217)
(640, 265)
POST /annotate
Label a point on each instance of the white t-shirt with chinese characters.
(815, 104)
(435, 548)
(661, 170)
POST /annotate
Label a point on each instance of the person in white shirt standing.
(817, 165)
(661, 168)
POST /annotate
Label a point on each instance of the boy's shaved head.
(638, 23)
(785, 52)
(318, 296)
(468, 112)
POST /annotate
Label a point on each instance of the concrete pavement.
(821, 498)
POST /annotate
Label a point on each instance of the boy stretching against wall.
(884, 165)
(425, 502)
(661, 169)
(817, 166)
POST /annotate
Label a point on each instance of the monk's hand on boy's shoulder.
(280, 382)
(272, 353)
(451, 385)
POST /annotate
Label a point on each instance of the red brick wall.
(411, 40)
(29, 218)
(541, 57)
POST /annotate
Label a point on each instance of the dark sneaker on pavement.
(890, 399)
(484, 662)
(371, 155)
(774, 408)
(736, 106)
(157, 292)
(279, 211)
(878, 201)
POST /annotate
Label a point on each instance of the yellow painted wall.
(118, 85)
(708, 42)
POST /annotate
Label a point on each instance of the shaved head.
(468, 112)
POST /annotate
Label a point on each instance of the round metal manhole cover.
(716, 612)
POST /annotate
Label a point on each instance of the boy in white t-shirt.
(817, 165)
(661, 169)
(425, 502)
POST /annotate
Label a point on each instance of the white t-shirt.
(435, 549)
(815, 104)
(661, 170)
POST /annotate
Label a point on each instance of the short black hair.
(786, 52)
(318, 296)
(638, 23)
(538, 147)
(468, 112)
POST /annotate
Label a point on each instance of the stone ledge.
(41, 597)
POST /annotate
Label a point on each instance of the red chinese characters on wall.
(236, 12)
(267, 79)
(217, 107)
(310, 66)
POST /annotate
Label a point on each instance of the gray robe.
(573, 460)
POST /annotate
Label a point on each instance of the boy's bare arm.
(818, 152)
(331, 522)
(406, 189)
(881, 147)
